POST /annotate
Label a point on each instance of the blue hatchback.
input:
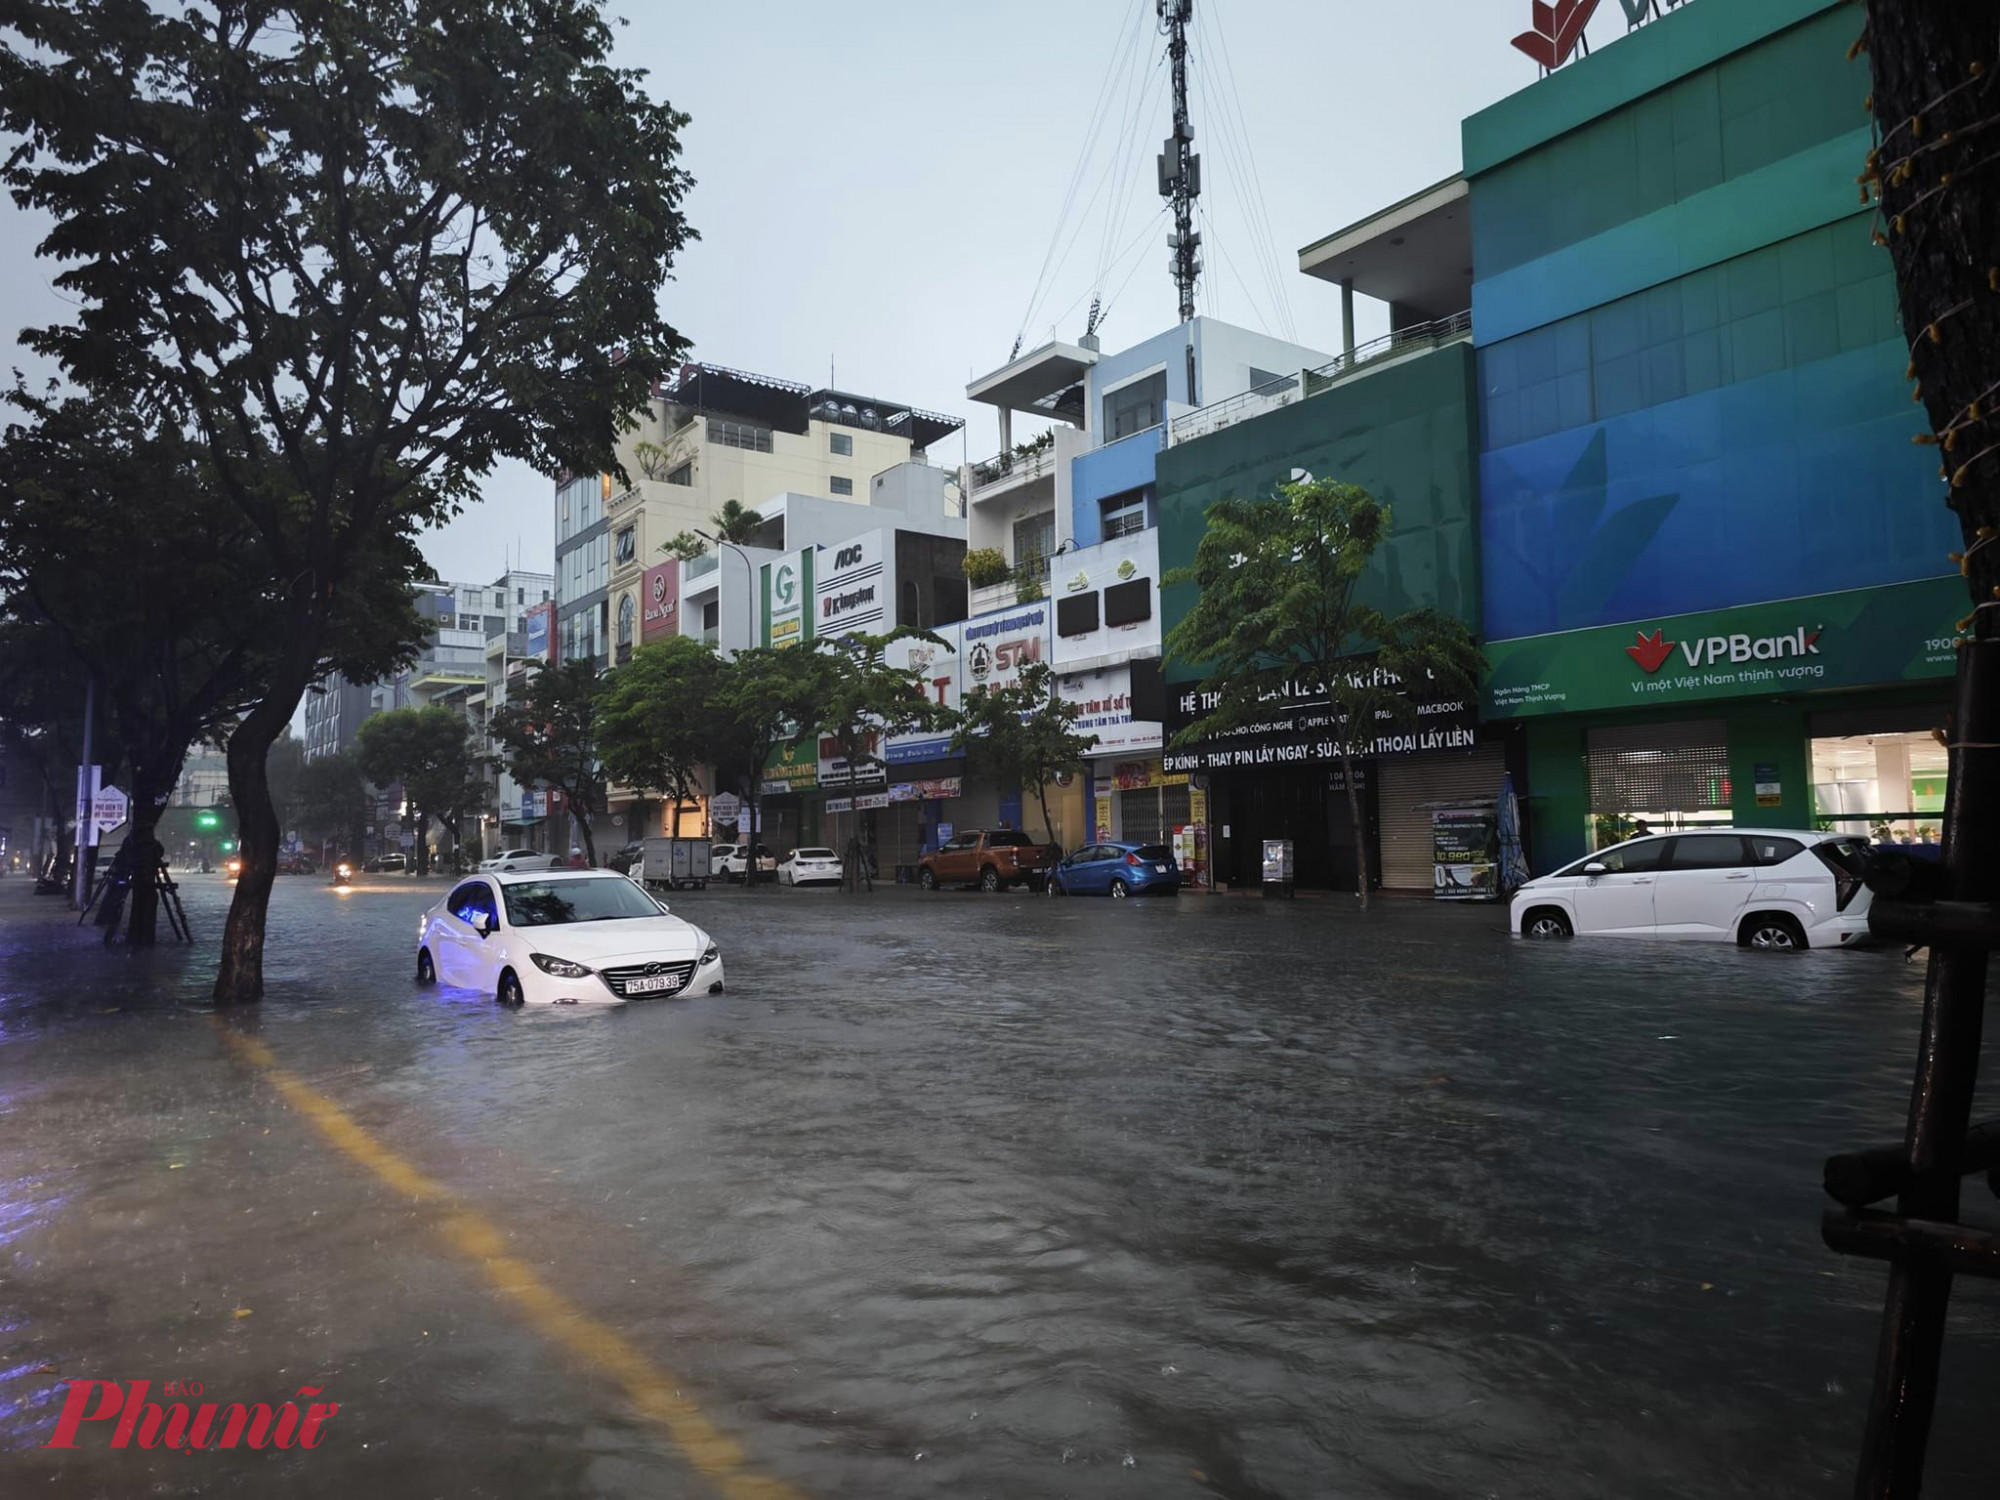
(1116, 870)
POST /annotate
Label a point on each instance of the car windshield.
(815, 854)
(548, 903)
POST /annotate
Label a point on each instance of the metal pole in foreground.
(80, 876)
(1919, 1293)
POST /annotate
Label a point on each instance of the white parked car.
(809, 867)
(583, 937)
(729, 861)
(1760, 887)
(519, 859)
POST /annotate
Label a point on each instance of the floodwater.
(974, 1196)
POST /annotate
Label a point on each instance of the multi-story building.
(1642, 423)
(712, 435)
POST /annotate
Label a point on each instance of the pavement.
(959, 1195)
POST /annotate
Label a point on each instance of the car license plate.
(647, 983)
(1161, 868)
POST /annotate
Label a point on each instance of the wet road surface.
(964, 1195)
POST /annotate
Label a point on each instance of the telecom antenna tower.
(1180, 169)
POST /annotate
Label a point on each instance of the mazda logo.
(656, 968)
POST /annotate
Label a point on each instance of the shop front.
(1821, 712)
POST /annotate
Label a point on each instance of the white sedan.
(584, 937)
(1760, 887)
(809, 867)
(518, 859)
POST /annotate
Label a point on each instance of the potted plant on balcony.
(985, 565)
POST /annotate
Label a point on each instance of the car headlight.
(562, 968)
(710, 955)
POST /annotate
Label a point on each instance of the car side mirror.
(482, 923)
(1595, 867)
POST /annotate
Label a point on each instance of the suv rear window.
(1848, 855)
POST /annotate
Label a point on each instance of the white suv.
(510, 860)
(1760, 887)
(730, 861)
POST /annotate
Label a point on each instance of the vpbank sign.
(1864, 637)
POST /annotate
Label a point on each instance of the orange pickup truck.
(992, 859)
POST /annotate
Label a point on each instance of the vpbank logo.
(1650, 651)
(1558, 28)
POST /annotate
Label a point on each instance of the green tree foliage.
(550, 734)
(735, 522)
(767, 694)
(332, 801)
(1023, 735)
(1282, 610)
(360, 253)
(653, 718)
(684, 546)
(114, 535)
(861, 699)
(429, 752)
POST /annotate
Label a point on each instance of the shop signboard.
(936, 789)
(1143, 775)
(866, 769)
(1305, 729)
(787, 596)
(1104, 708)
(724, 807)
(1860, 638)
(660, 602)
(937, 667)
(1102, 819)
(1465, 854)
(1107, 602)
(793, 766)
(996, 647)
(852, 591)
(866, 802)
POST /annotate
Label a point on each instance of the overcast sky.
(877, 183)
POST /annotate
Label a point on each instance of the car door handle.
(1739, 875)
(1641, 880)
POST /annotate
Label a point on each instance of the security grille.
(1660, 768)
(1409, 787)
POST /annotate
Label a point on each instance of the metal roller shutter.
(1660, 768)
(1139, 816)
(1407, 784)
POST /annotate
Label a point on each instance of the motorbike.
(343, 873)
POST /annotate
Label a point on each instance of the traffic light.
(229, 846)
(206, 821)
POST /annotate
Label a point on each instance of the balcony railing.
(1276, 393)
(708, 562)
(1006, 468)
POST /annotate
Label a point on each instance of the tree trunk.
(1360, 833)
(240, 980)
(150, 791)
(423, 843)
(579, 812)
(1048, 823)
(756, 829)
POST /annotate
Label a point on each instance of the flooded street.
(963, 1195)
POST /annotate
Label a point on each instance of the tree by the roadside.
(653, 719)
(333, 802)
(429, 752)
(1022, 734)
(113, 535)
(283, 768)
(41, 723)
(863, 699)
(1284, 585)
(684, 546)
(361, 253)
(767, 695)
(550, 736)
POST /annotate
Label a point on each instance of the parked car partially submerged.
(1778, 888)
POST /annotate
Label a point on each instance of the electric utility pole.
(1180, 171)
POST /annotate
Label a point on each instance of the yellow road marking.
(653, 1391)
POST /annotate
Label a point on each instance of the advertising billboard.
(855, 589)
(1104, 702)
(1304, 728)
(995, 647)
(1107, 601)
(660, 602)
(541, 631)
(867, 768)
(787, 599)
(937, 667)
